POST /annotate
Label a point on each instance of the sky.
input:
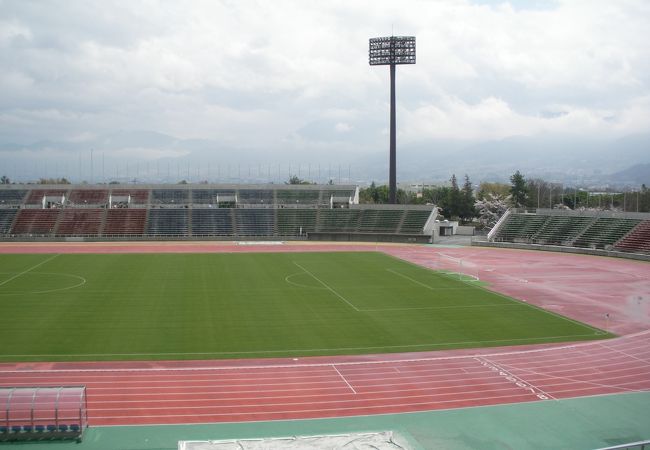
(288, 81)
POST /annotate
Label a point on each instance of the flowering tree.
(490, 209)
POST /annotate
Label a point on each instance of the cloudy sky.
(289, 80)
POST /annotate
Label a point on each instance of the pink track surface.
(584, 288)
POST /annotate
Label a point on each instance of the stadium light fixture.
(390, 51)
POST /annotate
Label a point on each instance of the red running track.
(156, 392)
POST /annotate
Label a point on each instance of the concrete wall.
(560, 249)
(369, 237)
(464, 230)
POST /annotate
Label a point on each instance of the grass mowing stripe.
(184, 306)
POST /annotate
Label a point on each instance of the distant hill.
(638, 174)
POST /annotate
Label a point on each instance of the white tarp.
(385, 440)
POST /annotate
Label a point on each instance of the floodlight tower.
(390, 51)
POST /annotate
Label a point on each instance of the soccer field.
(203, 306)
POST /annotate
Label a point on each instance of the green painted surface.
(576, 424)
(203, 306)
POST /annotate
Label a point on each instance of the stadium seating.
(35, 196)
(255, 196)
(125, 221)
(212, 222)
(90, 197)
(80, 222)
(294, 221)
(168, 222)
(414, 221)
(6, 219)
(170, 196)
(298, 197)
(254, 222)
(195, 211)
(138, 196)
(210, 196)
(637, 240)
(520, 227)
(604, 232)
(36, 221)
(558, 230)
(11, 197)
(339, 220)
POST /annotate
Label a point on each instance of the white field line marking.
(535, 390)
(625, 353)
(288, 280)
(327, 286)
(83, 281)
(494, 341)
(440, 307)
(572, 380)
(576, 346)
(28, 270)
(411, 279)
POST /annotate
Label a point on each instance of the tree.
(490, 209)
(53, 181)
(5, 180)
(294, 179)
(500, 189)
(466, 210)
(454, 198)
(518, 190)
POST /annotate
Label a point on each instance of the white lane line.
(302, 411)
(625, 353)
(574, 380)
(327, 286)
(575, 346)
(520, 382)
(28, 270)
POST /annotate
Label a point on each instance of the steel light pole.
(390, 51)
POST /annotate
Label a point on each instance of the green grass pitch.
(206, 306)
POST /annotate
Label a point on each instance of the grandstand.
(594, 230)
(202, 211)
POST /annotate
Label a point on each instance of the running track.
(582, 287)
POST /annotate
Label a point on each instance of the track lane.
(166, 392)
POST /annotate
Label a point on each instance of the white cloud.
(253, 72)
